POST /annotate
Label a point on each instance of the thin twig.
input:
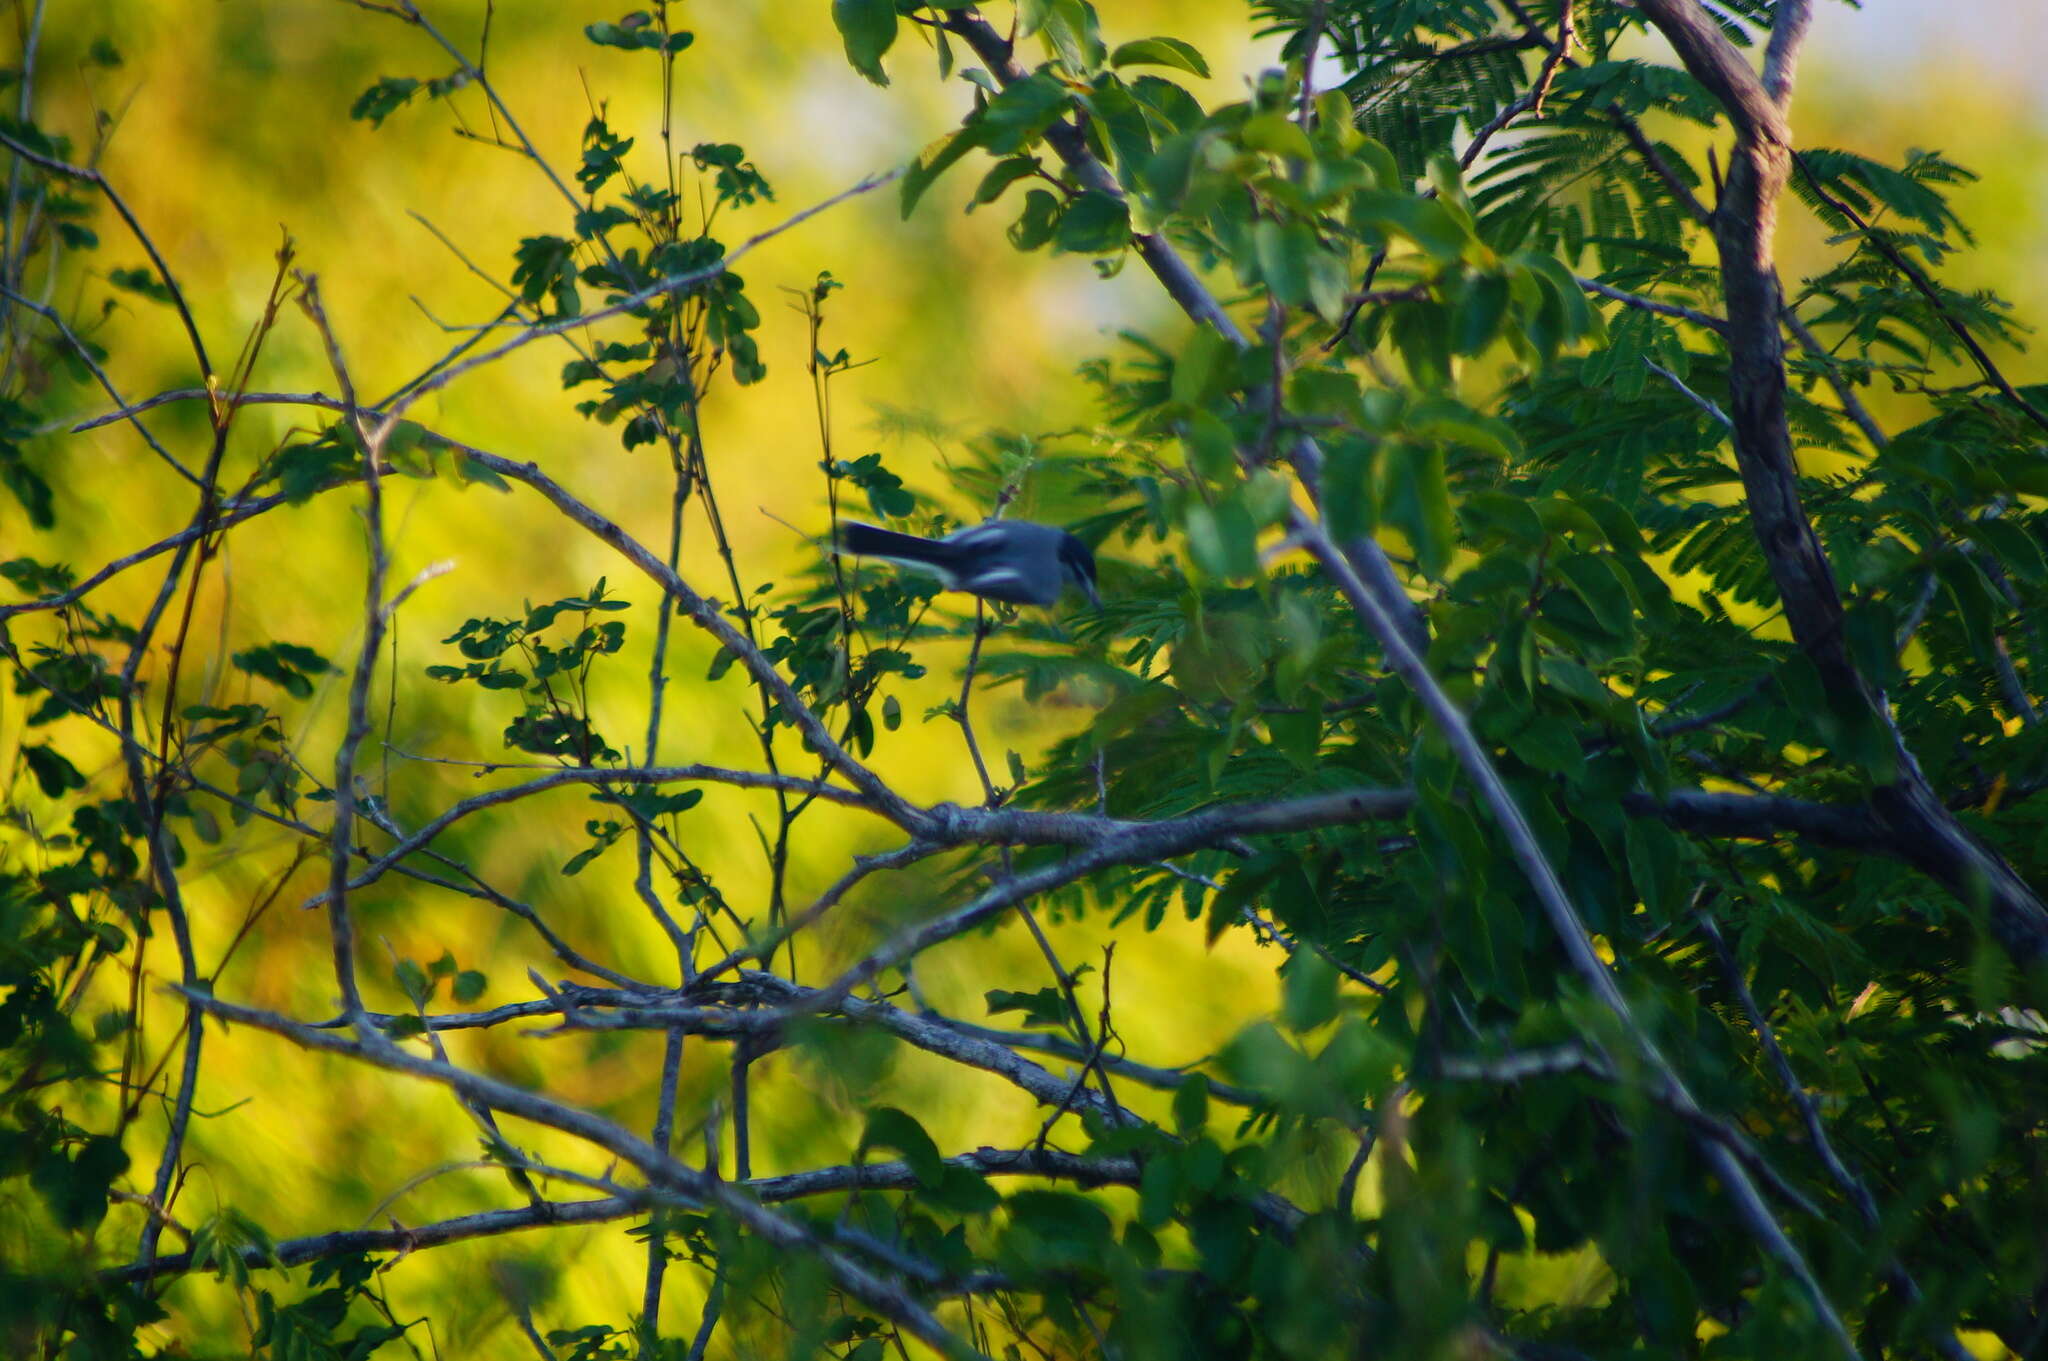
(1662, 309)
(664, 1129)
(1925, 287)
(1706, 404)
(674, 283)
(88, 175)
(85, 356)
(1944, 1339)
(1566, 32)
(376, 564)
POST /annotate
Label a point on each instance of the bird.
(1013, 561)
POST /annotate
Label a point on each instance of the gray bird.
(1008, 560)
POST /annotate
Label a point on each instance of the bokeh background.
(230, 129)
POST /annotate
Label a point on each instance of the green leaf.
(1222, 540)
(580, 861)
(1480, 310)
(75, 1187)
(1596, 581)
(961, 1190)
(1416, 497)
(1282, 250)
(868, 29)
(1036, 226)
(1094, 224)
(286, 664)
(1056, 1231)
(637, 32)
(1191, 1105)
(1348, 489)
(1160, 52)
(1309, 998)
(890, 1128)
(931, 163)
(1201, 368)
(1211, 450)
(383, 99)
(1426, 222)
(140, 280)
(2012, 545)
(1277, 134)
(1021, 111)
(1656, 863)
(1266, 497)
(1000, 177)
(412, 980)
(53, 773)
(1227, 906)
(1046, 1007)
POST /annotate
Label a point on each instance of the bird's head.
(1077, 566)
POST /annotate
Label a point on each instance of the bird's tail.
(869, 542)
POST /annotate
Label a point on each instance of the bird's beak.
(1088, 589)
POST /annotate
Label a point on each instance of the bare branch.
(1508, 114)
(1050, 1164)
(583, 775)
(1566, 32)
(1790, 20)
(1706, 404)
(663, 1172)
(85, 356)
(1718, 64)
(88, 175)
(1662, 309)
(372, 439)
(227, 517)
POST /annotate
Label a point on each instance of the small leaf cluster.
(552, 677)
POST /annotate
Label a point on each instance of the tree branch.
(1662, 309)
(1809, 1114)
(1926, 833)
(1185, 287)
(662, 1171)
(87, 175)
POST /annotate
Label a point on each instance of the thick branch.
(1922, 829)
(1789, 22)
(1718, 64)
